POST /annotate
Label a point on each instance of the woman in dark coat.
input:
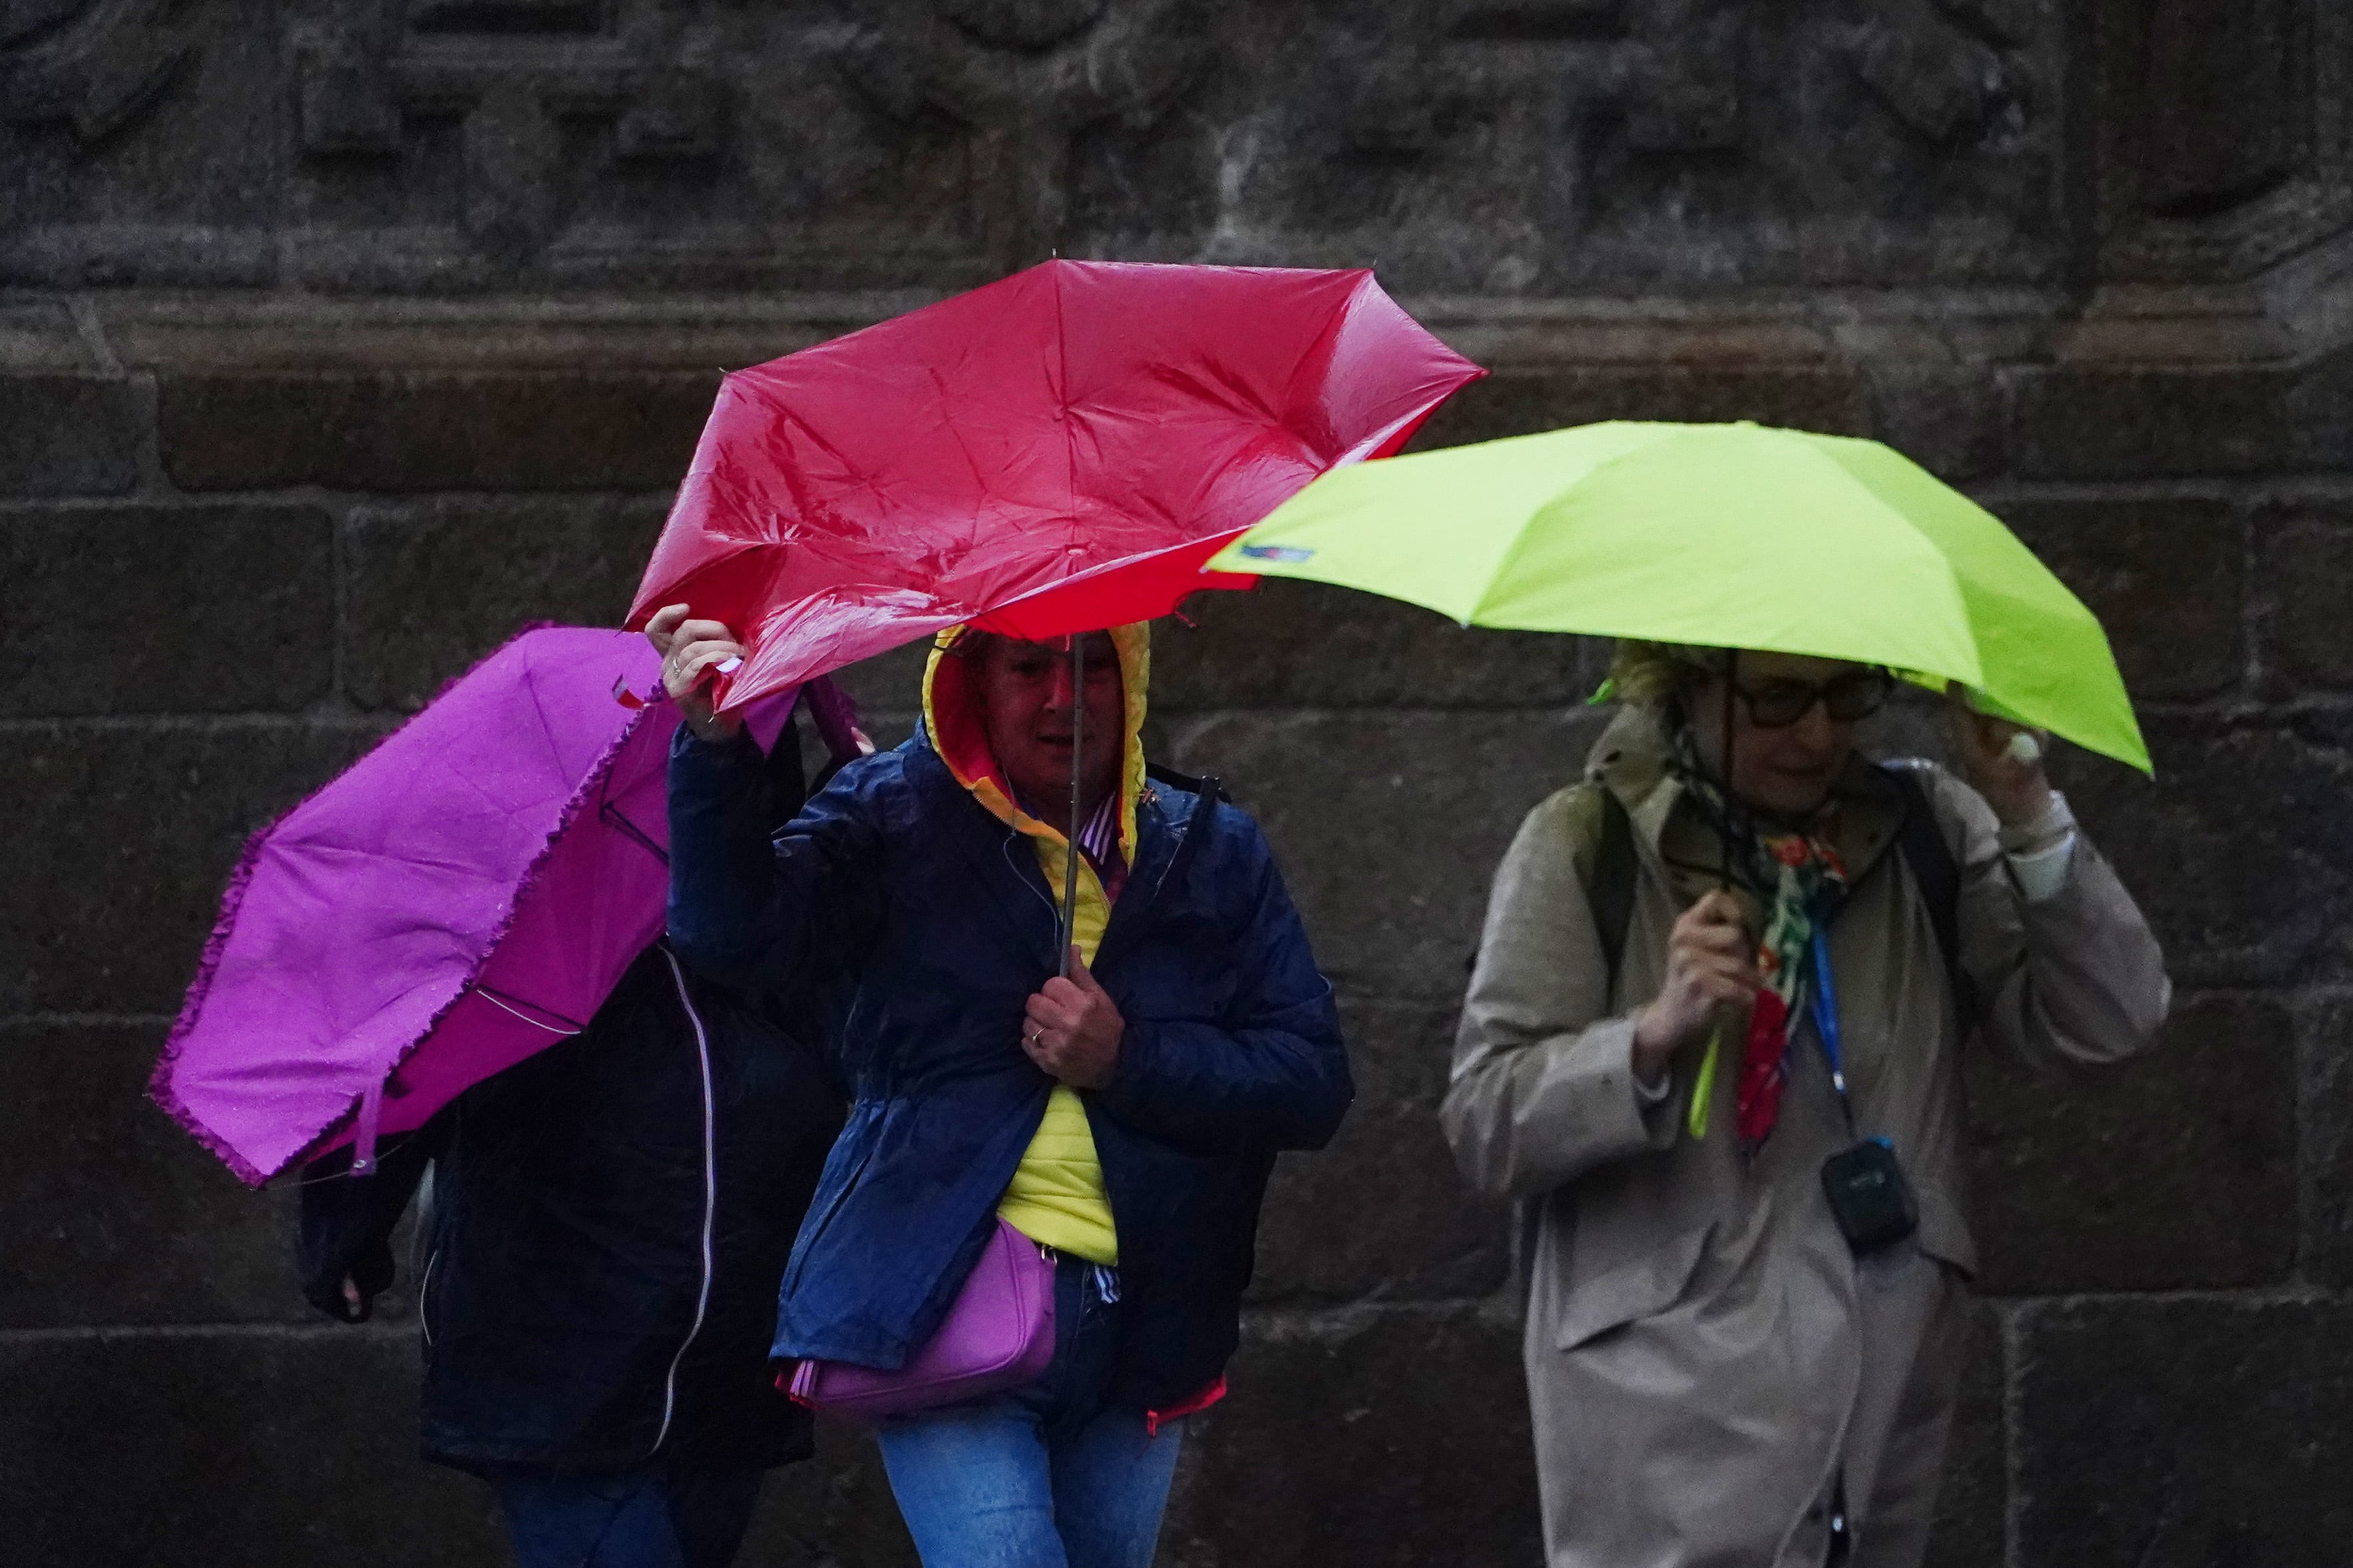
(1124, 1117)
(608, 1222)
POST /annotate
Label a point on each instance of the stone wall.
(339, 337)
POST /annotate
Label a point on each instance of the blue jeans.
(1047, 1476)
(653, 1517)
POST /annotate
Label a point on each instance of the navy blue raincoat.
(929, 924)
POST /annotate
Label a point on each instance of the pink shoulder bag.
(999, 1333)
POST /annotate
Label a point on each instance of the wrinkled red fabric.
(1058, 451)
(1764, 1070)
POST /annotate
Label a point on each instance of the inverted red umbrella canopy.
(1057, 452)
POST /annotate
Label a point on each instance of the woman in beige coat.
(1718, 1376)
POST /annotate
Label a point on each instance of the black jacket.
(609, 1222)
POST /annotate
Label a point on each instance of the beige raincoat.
(1710, 1368)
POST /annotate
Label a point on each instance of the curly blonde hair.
(1659, 674)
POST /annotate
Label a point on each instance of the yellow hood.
(952, 719)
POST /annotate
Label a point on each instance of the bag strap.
(1939, 876)
(1609, 881)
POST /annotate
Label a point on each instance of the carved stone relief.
(1028, 76)
(95, 65)
(1544, 146)
(1564, 144)
(2222, 142)
(511, 75)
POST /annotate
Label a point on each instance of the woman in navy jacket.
(1196, 1041)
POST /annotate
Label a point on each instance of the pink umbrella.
(464, 896)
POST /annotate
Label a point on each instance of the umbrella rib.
(1489, 591)
(1476, 615)
(539, 711)
(1062, 391)
(318, 847)
(506, 809)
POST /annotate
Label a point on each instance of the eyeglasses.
(1778, 704)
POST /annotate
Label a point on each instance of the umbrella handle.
(1704, 1088)
(363, 1139)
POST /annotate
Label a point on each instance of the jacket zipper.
(425, 1297)
(710, 1201)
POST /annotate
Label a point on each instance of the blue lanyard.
(1826, 1023)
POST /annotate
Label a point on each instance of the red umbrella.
(1057, 452)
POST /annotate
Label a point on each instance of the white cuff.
(1650, 1094)
(2040, 851)
(2041, 874)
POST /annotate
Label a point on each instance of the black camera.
(1869, 1196)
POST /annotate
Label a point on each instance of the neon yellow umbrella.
(1721, 535)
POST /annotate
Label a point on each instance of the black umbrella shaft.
(1731, 672)
(1070, 925)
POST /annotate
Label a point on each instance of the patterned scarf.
(1801, 878)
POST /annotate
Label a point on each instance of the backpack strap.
(1609, 879)
(1939, 875)
(1602, 850)
(1603, 854)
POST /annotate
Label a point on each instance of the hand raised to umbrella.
(1071, 1028)
(2010, 774)
(689, 649)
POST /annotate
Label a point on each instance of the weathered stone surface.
(68, 434)
(2306, 556)
(404, 433)
(200, 609)
(1972, 1506)
(1951, 420)
(1713, 148)
(2208, 165)
(1828, 397)
(144, 146)
(115, 1214)
(1396, 1435)
(278, 1448)
(2184, 1433)
(124, 836)
(2146, 422)
(39, 334)
(2327, 1145)
(834, 1512)
(1305, 645)
(2167, 578)
(1389, 826)
(435, 586)
(265, 1447)
(2239, 851)
(2320, 409)
(2220, 103)
(474, 250)
(1381, 1214)
(2173, 1172)
(888, 684)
